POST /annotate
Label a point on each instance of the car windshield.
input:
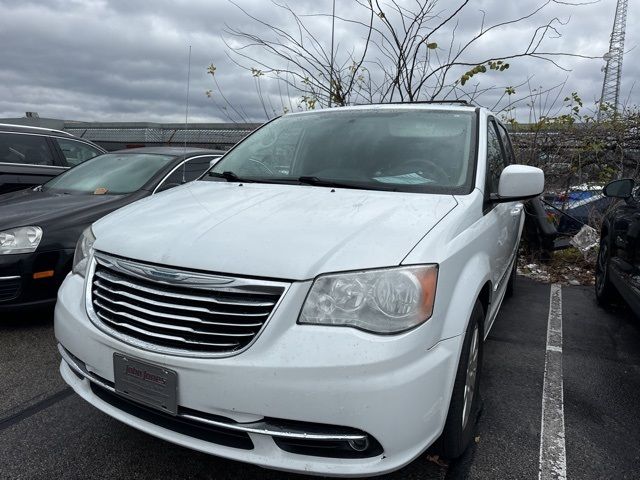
(111, 173)
(416, 150)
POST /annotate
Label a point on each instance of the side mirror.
(520, 182)
(619, 188)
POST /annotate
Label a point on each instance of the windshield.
(111, 173)
(385, 149)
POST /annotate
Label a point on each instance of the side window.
(27, 149)
(506, 142)
(495, 159)
(76, 152)
(187, 172)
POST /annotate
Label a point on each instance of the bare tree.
(409, 50)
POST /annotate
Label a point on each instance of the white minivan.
(317, 302)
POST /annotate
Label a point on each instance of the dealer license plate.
(145, 383)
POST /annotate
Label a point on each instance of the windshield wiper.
(229, 176)
(233, 177)
(325, 182)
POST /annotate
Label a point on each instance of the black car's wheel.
(465, 400)
(605, 291)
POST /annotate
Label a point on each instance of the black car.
(31, 155)
(39, 227)
(618, 265)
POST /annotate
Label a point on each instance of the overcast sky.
(126, 60)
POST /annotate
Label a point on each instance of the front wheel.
(605, 291)
(465, 399)
(511, 283)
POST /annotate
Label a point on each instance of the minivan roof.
(453, 106)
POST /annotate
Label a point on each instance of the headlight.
(380, 301)
(20, 240)
(84, 248)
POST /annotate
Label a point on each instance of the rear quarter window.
(76, 152)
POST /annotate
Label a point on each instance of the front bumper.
(19, 290)
(389, 387)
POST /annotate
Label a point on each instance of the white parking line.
(553, 458)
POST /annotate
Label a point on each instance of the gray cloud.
(127, 60)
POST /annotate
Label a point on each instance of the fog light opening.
(359, 445)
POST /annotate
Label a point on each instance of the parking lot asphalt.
(46, 431)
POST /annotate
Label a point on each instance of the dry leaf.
(437, 460)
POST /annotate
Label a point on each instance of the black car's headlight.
(387, 300)
(20, 240)
(84, 248)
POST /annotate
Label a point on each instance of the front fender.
(460, 245)
(463, 284)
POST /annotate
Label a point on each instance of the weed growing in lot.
(567, 266)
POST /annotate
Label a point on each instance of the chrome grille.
(179, 311)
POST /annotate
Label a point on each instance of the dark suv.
(31, 156)
(618, 266)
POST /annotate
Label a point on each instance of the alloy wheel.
(471, 381)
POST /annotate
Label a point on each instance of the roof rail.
(420, 102)
(43, 129)
(461, 102)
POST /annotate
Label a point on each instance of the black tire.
(460, 424)
(606, 293)
(511, 283)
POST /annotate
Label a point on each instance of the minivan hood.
(292, 232)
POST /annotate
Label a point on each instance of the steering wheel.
(263, 165)
(418, 165)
